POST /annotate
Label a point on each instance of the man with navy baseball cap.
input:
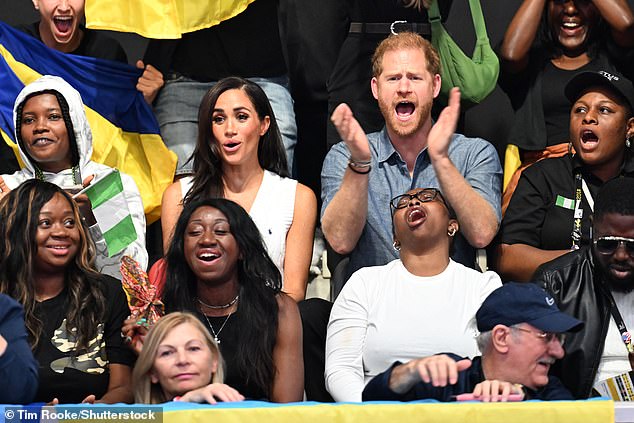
(521, 335)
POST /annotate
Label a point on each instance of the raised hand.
(85, 207)
(134, 331)
(439, 137)
(150, 82)
(351, 133)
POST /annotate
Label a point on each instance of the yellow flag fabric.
(125, 131)
(512, 162)
(160, 18)
(471, 412)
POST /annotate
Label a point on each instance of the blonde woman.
(180, 362)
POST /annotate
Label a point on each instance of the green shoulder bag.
(476, 76)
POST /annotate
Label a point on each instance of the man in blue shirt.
(521, 335)
(361, 174)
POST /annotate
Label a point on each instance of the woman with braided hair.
(55, 144)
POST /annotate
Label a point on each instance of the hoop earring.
(396, 246)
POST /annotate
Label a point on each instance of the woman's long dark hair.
(19, 217)
(259, 279)
(207, 158)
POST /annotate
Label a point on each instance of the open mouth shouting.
(63, 27)
(415, 217)
(63, 24)
(404, 110)
(589, 140)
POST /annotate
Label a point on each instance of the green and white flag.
(111, 211)
(564, 202)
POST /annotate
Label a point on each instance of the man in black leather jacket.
(582, 283)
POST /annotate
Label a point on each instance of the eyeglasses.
(546, 336)
(424, 196)
(608, 244)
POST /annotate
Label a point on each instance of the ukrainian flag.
(160, 18)
(125, 131)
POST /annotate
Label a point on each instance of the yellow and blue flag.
(160, 18)
(125, 132)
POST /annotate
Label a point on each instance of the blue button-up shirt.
(476, 159)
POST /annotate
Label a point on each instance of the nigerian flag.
(111, 211)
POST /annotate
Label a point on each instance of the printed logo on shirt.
(93, 361)
(566, 203)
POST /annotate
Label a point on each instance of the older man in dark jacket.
(521, 335)
(596, 285)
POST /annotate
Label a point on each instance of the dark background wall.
(490, 119)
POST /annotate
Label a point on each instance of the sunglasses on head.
(609, 244)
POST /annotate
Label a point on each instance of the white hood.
(83, 134)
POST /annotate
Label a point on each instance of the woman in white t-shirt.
(239, 155)
(420, 305)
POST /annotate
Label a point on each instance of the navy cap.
(515, 303)
(614, 81)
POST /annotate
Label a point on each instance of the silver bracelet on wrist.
(359, 164)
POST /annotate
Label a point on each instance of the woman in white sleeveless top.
(240, 156)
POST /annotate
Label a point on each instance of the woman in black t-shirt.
(549, 213)
(73, 314)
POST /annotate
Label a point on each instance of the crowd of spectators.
(405, 200)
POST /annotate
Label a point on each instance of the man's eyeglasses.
(546, 336)
(608, 244)
(424, 196)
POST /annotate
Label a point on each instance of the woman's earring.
(451, 231)
(396, 246)
(628, 141)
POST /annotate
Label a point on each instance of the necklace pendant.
(217, 340)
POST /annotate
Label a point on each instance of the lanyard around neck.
(626, 337)
(581, 190)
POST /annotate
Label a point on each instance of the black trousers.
(312, 33)
(315, 313)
